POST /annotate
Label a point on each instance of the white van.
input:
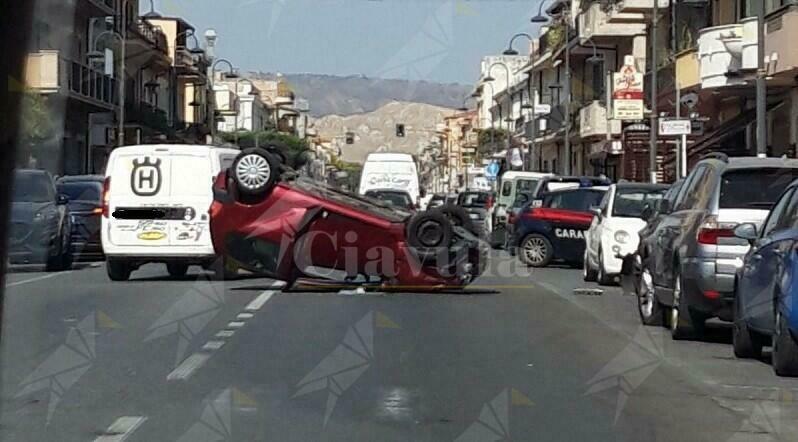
(390, 171)
(155, 206)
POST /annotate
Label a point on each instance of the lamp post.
(761, 85)
(565, 16)
(96, 54)
(652, 151)
(230, 75)
(508, 119)
(510, 51)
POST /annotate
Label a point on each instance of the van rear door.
(160, 197)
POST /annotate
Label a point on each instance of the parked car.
(155, 206)
(479, 205)
(85, 194)
(636, 278)
(614, 231)
(521, 200)
(697, 256)
(511, 184)
(39, 225)
(766, 289)
(391, 170)
(281, 225)
(553, 227)
(392, 197)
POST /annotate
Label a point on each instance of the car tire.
(63, 259)
(589, 274)
(747, 344)
(602, 276)
(684, 323)
(536, 250)
(785, 349)
(118, 270)
(255, 171)
(177, 269)
(429, 232)
(459, 218)
(648, 306)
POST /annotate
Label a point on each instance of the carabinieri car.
(267, 219)
(553, 227)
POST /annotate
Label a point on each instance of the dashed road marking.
(121, 429)
(236, 324)
(258, 302)
(212, 345)
(188, 367)
(244, 316)
(225, 334)
(36, 279)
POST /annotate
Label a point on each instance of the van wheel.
(428, 233)
(118, 270)
(177, 269)
(255, 171)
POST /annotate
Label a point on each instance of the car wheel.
(459, 217)
(428, 233)
(63, 259)
(255, 171)
(785, 350)
(603, 277)
(684, 323)
(746, 342)
(649, 308)
(118, 270)
(177, 269)
(588, 273)
(536, 250)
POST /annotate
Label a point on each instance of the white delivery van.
(156, 200)
(390, 171)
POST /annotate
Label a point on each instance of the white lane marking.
(258, 302)
(244, 316)
(278, 284)
(188, 367)
(225, 334)
(38, 278)
(236, 324)
(212, 345)
(121, 429)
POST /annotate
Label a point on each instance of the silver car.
(697, 254)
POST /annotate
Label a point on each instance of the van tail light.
(712, 230)
(106, 196)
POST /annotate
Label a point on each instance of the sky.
(432, 40)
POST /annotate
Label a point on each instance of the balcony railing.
(189, 63)
(727, 52)
(595, 22)
(147, 115)
(151, 34)
(593, 121)
(48, 72)
(105, 6)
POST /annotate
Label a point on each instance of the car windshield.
(473, 199)
(32, 188)
(631, 202)
(577, 200)
(85, 191)
(399, 199)
(754, 188)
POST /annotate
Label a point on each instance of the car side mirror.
(595, 211)
(537, 203)
(61, 199)
(746, 231)
(665, 207)
(647, 212)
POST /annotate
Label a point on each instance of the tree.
(485, 146)
(37, 128)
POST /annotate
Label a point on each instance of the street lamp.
(189, 33)
(229, 75)
(152, 13)
(509, 113)
(96, 54)
(510, 50)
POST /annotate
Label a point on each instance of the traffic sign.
(492, 170)
(674, 127)
(542, 109)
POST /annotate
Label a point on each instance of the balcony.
(632, 6)
(150, 34)
(688, 69)
(593, 121)
(189, 64)
(727, 54)
(595, 23)
(148, 116)
(47, 72)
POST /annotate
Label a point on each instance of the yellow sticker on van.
(151, 236)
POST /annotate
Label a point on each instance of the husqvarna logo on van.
(146, 177)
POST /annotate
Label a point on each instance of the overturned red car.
(269, 220)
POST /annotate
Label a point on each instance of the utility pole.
(652, 154)
(761, 86)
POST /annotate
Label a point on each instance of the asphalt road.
(518, 356)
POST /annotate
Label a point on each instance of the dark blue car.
(553, 227)
(766, 301)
